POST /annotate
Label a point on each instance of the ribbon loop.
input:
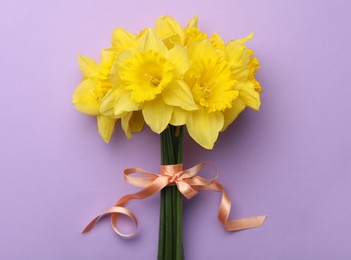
(188, 183)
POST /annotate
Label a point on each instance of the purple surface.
(290, 161)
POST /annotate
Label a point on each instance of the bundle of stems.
(170, 244)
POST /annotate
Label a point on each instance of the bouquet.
(170, 78)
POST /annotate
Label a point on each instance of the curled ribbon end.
(263, 219)
(89, 226)
(84, 231)
(244, 223)
(258, 221)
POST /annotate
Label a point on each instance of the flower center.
(152, 79)
(146, 75)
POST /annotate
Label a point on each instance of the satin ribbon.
(188, 183)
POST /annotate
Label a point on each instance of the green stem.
(170, 245)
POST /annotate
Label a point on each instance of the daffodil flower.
(89, 94)
(149, 78)
(243, 67)
(214, 90)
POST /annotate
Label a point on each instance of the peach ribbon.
(188, 183)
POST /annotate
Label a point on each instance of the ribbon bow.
(188, 183)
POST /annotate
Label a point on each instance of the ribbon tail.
(119, 208)
(244, 223)
(224, 211)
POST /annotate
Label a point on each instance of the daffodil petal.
(179, 116)
(87, 65)
(136, 122)
(244, 40)
(107, 55)
(117, 67)
(166, 27)
(106, 126)
(239, 60)
(125, 104)
(180, 61)
(122, 39)
(157, 115)
(125, 124)
(239, 57)
(201, 49)
(84, 100)
(178, 94)
(192, 22)
(150, 41)
(132, 122)
(108, 102)
(249, 96)
(204, 127)
(232, 113)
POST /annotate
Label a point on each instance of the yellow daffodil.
(90, 92)
(243, 67)
(150, 78)
(214, 90)
(131, 122)
(88, 96)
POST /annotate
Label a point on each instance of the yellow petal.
(192, 22)
(239, 57)
(179, 116)
(244, 40)
(119, 64)
(106, 126)
(150, 41)
(84, 100)
(239, 60)
(108, 102)
(232, 113)
(157, 115)
(178, 94)
(200, 49)
(87, 65)
(136, 122)
(125, 104)
(249, 96)
(107, 55)
(178, 56)
(204, 127)
(166, 27)
(132, 122)
(125, 124)
(122, 39)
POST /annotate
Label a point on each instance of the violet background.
(290, 161)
